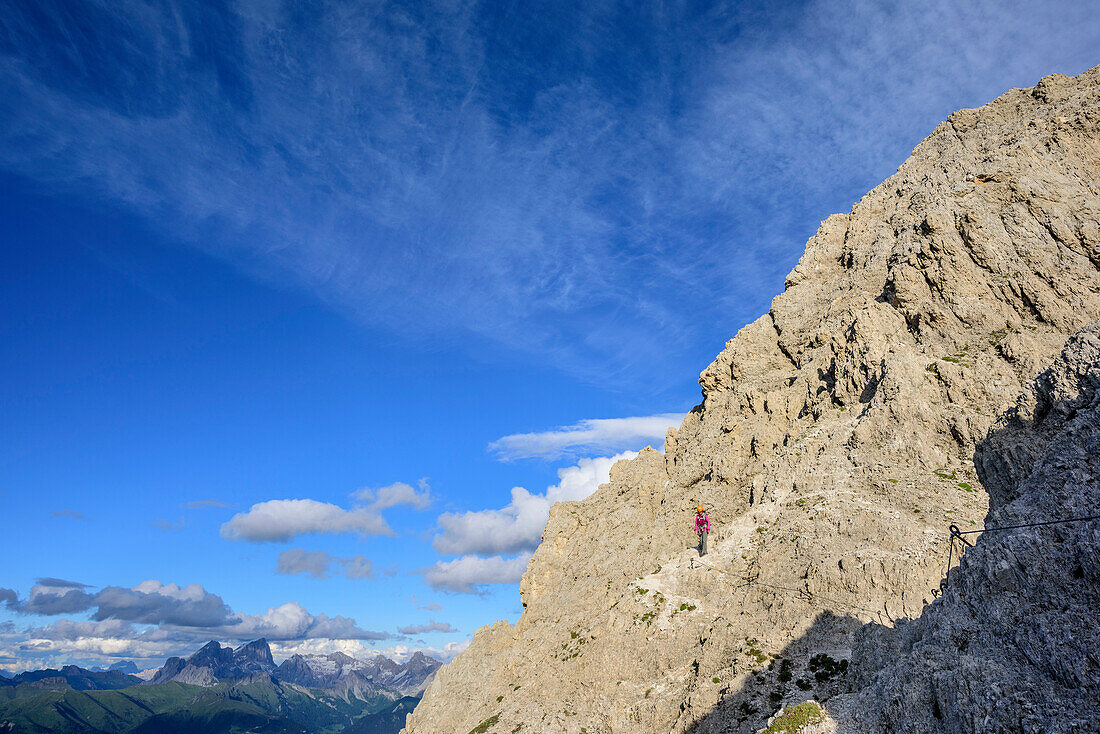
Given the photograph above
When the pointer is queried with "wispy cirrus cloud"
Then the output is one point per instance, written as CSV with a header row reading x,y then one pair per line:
x,y
50,581
68,513
203,504
639,189
587,436
168,526
429,606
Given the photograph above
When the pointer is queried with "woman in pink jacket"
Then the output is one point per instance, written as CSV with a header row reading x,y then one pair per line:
x,y
702,526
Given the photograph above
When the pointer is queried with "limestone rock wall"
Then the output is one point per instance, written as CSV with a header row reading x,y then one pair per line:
x,y
1014,644
833,445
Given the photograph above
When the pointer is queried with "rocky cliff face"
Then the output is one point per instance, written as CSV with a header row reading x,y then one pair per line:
x,y
213,662
832,447
1014,643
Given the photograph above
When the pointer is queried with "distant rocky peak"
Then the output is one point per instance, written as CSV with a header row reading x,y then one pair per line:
x,y
260,644
168,671
296,669
257,652
419,663
211,654
212,663
295,660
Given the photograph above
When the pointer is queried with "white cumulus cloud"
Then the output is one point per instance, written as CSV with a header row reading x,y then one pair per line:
x,y
510,529
466,574
587,436
518,526
396,494
291,621
281,520
431,626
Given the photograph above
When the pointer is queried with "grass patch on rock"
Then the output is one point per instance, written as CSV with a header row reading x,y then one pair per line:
x,y
791,719
486,725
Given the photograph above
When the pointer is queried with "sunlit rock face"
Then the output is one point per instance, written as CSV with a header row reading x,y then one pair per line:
x,y
834,443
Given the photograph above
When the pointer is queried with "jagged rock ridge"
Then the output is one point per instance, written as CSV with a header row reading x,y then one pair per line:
x,y
832,447
213,663
337,673
349,676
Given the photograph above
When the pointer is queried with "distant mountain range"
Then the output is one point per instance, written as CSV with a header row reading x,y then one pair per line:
x,y
336,672
123,666
221,689
69,678
358,677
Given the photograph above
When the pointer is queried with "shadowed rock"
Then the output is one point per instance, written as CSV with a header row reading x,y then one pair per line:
x,y
1014,643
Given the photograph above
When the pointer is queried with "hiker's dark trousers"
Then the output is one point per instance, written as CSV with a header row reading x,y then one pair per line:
x,y
703,542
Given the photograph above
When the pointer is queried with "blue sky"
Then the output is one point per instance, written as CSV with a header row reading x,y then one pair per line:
x,y
309,310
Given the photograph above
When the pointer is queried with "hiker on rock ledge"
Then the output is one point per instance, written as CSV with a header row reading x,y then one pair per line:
x,y
702,526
